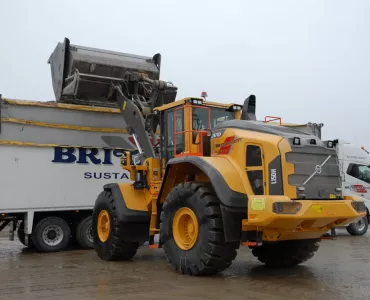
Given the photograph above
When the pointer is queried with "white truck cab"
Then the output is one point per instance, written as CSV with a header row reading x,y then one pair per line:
x,y
354,162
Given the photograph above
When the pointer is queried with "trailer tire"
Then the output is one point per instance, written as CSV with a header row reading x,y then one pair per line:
x,y
285,254
358,228
84,233
192,233
51,234
21,236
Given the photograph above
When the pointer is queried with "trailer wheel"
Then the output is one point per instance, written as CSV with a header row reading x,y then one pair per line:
x,y
286,253
22,236
51,234
358,228
192,231
108,242
84,233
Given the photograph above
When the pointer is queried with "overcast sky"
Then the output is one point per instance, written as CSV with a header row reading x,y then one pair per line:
x,y
306,61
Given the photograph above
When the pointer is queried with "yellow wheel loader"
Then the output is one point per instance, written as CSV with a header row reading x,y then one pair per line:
x,y
214,179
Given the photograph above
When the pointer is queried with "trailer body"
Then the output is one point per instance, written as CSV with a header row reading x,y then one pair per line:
x,y
54,158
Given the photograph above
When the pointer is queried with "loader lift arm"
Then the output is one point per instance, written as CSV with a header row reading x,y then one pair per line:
x,y
138,113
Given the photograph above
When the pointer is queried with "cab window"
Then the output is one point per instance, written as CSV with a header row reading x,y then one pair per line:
x,y
361,172
219,115
200,118
171,132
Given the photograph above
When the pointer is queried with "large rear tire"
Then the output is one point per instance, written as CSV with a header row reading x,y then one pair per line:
x,y
358,228
192,233
286,253
108,242
51,234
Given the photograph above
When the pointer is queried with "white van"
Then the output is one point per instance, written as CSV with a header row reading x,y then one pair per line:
x,y
354,162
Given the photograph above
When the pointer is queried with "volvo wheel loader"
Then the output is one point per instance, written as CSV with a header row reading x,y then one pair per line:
x,y
206,177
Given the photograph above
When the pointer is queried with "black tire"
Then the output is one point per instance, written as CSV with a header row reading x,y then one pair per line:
x,y
84,233
51,234
210,253
22,237
115,248
359,228
286,253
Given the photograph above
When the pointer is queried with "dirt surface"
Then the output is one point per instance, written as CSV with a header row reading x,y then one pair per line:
x,y
339,270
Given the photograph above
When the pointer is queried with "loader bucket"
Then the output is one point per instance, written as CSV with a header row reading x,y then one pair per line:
x,y
83,75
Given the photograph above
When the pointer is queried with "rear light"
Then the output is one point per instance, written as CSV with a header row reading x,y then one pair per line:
x,y
286,207
359,206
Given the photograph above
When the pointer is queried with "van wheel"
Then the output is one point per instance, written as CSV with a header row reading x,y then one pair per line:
x,y
51,234
358,228
22,236
84,233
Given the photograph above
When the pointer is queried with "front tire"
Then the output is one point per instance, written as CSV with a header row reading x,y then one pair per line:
x,y
358,228
51,234
192,231
106,231
286,253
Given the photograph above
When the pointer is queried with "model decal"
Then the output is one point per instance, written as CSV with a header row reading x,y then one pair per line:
x,y
226,146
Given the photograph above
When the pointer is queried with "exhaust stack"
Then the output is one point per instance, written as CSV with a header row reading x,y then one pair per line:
x,y
83,75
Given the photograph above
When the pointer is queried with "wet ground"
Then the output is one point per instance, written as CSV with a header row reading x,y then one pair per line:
x,y
339,270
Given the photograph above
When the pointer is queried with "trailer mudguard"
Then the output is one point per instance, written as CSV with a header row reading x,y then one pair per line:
x,y
132,212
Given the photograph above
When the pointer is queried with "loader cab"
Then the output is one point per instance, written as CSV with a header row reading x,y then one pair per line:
x,y
187,126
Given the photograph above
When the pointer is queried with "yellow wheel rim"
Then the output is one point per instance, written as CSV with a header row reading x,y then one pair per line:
x,y
185,228
103,225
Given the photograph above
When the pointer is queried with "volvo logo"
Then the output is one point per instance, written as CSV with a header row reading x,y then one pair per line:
x,y
318,169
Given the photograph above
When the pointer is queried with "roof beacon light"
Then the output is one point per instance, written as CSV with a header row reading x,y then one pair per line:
x,y
296,141
204,95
